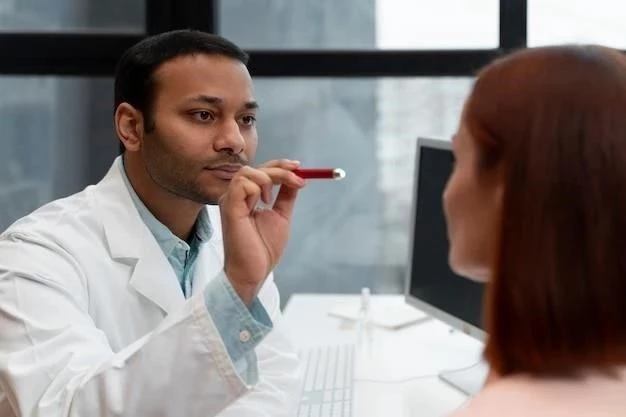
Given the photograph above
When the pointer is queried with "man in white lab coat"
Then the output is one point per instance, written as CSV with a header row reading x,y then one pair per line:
x,y
133,297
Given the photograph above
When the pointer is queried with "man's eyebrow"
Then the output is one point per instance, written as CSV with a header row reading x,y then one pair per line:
x,y
251,105
206,99
203,98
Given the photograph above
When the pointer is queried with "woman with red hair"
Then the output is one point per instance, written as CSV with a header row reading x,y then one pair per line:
x,y
536,206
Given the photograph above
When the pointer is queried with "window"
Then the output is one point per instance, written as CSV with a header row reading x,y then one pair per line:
x,y
361,24
71,15
352,233
57,137
58,131
577,21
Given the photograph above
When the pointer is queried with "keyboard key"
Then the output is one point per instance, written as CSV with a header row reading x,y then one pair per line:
x,y
337,409
338,395
320,378
328,396
311,370
303,411
346,409
326,410
315,410
349,367
332,367
341,367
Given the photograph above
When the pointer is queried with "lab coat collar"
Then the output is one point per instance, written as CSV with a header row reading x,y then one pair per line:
x,y
129,241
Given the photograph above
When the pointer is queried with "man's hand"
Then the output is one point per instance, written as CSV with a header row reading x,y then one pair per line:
x,y
254,239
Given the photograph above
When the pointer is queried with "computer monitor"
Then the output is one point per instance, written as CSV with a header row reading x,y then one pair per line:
x,y
431,286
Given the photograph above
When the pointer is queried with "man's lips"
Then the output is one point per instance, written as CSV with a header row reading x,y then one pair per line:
x,y
225,171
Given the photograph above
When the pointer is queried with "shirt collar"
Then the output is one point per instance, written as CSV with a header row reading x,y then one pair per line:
x,y
164,236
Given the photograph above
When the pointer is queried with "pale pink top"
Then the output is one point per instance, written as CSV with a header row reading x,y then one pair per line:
x,y
592,396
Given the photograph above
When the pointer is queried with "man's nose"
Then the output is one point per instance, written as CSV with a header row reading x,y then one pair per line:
x,y
230,139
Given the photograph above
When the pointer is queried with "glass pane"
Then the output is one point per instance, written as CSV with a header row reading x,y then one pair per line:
x,y
56,137
361,24
353,233
72,15
577,21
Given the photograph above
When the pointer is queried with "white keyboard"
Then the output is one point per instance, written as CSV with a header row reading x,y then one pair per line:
x,y
328,380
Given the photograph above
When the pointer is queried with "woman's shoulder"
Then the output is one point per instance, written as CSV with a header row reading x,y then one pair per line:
x,y
525,395
497,397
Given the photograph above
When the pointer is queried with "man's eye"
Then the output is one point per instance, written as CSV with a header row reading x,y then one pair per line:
x,y
248,120
203,115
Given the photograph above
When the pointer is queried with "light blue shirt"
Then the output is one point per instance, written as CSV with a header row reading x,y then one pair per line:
x,y
241,327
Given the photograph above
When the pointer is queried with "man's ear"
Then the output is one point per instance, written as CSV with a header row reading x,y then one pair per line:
x,y
129,126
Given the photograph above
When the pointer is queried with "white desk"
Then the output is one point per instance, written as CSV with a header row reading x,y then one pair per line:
x,y
419,350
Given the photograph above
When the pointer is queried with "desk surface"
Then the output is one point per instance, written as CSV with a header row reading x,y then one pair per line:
x,y
396,371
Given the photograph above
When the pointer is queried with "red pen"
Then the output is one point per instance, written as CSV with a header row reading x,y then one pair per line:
x,y
321,173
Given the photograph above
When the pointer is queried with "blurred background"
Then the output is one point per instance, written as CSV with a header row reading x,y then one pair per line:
x,y
342,83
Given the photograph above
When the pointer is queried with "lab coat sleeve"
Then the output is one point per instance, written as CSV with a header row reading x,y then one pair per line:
x,y
280,373
55,362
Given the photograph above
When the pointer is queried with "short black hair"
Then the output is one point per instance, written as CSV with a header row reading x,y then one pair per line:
x,y
134,83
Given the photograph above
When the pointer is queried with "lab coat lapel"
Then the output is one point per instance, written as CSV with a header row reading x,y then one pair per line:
x,y
154,278
131,242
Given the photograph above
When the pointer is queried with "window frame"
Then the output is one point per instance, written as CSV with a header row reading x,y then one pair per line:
x,y
95,53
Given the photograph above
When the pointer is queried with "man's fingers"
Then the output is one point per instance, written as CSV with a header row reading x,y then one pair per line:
x,y
253,192
285,201
266,177
261,178
280,176
250,185
287,164
242,188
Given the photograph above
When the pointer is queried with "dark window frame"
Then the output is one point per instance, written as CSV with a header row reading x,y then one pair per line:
x,y
95,54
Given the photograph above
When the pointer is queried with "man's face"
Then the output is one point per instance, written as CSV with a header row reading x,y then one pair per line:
x,y
204,118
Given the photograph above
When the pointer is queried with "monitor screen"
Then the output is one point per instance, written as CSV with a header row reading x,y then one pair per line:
x,y
431,285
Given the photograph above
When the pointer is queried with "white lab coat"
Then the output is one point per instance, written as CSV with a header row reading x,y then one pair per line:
x,y
93,321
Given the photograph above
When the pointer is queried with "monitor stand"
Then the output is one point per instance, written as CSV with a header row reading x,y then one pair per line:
x,y
468,380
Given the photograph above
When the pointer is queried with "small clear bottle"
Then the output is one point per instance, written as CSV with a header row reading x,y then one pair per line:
x,y
364,325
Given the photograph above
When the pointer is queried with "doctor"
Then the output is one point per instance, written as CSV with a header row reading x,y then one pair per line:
x,y
132,297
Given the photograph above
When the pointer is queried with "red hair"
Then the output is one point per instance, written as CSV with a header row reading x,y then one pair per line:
x,y
552,121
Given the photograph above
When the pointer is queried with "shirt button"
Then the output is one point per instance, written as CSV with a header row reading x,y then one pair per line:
x,y
244,336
